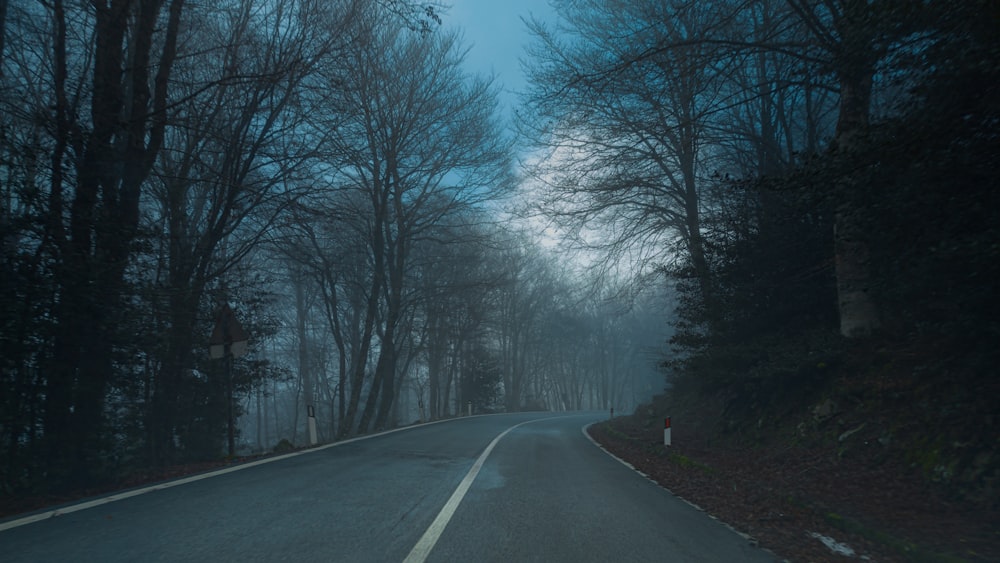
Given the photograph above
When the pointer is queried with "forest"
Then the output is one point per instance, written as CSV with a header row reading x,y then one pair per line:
x,y
752,200
815,184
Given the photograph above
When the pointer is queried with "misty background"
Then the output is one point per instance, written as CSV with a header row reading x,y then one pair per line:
x,y
418,211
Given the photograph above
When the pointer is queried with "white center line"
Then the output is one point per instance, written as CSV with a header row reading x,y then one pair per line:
x,y
423,548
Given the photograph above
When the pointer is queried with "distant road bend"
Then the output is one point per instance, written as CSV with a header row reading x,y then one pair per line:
x,y
513,487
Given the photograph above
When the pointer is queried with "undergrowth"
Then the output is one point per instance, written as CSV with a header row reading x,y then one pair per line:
x,y
876,399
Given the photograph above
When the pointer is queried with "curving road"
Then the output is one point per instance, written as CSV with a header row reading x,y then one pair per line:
x,y
518,487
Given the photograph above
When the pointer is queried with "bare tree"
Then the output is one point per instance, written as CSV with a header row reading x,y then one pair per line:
x,y
523,302
327,235
234,161
625,143
850,40
455,286
778,109
422,143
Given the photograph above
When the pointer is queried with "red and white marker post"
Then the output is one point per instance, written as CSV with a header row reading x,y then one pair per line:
x,y
666,431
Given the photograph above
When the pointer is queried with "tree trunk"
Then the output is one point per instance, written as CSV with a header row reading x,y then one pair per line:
x,y
301,314
435,361
394,306
360,357
373,393
858,311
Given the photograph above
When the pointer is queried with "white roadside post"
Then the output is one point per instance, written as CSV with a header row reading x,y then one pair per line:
x,y
311,417
470,408
666,431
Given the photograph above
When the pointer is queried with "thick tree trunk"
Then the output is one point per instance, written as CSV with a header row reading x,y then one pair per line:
x,y
373,393
388,394
858,311
394,306
328,285
359,358
358,365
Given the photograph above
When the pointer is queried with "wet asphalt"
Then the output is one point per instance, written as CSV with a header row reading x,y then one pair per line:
x,y
544,493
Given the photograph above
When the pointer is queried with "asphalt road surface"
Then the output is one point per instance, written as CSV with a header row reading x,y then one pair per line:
x,y
519,487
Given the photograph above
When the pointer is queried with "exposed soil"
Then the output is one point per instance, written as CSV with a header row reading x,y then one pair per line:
x,y
782,495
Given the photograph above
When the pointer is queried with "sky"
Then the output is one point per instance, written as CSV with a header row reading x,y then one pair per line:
x,y
496,36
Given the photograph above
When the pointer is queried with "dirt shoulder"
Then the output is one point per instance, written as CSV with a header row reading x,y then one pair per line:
x,y
791,499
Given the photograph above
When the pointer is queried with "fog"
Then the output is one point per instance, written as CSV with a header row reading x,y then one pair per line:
x,y
723,197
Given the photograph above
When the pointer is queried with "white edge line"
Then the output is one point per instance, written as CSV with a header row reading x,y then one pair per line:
x,y
25,520
745,536
427,541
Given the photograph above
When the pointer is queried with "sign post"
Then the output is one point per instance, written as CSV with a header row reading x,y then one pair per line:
x,y
228,341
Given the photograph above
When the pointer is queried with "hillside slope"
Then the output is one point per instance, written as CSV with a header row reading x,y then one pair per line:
x,y
837,468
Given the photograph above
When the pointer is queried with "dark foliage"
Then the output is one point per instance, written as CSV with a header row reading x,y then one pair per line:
x,y
923,185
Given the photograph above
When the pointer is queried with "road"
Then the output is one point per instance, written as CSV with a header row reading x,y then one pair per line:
x,y
518,487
